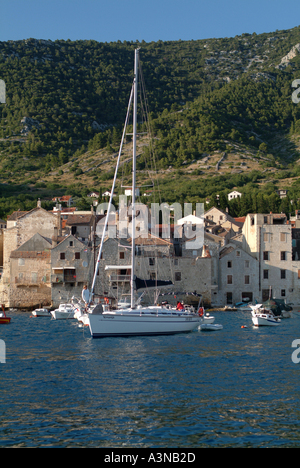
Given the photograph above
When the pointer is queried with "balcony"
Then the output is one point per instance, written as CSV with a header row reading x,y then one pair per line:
x,y
119,278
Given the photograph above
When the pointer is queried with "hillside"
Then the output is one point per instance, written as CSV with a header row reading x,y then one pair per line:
x,y
221,111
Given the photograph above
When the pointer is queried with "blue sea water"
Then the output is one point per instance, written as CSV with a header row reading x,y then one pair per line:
x,y
236,387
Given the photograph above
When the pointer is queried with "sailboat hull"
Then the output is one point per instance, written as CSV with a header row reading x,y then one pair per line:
x,y
110,324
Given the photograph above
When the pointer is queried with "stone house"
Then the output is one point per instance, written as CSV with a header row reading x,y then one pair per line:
x,y
238,273
189,272
114,272
22,226
268,238
222,218
71,269
30,271
79,225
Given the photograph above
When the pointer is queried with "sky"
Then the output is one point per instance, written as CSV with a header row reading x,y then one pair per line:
x,y
148,20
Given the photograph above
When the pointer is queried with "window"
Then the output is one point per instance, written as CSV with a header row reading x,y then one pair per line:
x,y
77,255
266,274
121,255
151,261
247,279
21,262
229,264
266,255
176,261
283,237
177,276
34,277
282,255
247,263
71,243
268,237
153,276
229,279
62,256
283,293
238,253
282,274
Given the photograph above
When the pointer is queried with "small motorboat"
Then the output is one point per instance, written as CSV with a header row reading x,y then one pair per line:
x,y
41,313
210,327
3,317
207,318
64,312
263,317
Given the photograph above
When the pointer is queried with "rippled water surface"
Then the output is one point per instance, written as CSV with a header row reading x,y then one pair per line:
x,y
230,388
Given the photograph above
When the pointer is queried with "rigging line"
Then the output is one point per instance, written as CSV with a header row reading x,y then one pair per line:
x,y
148,125
112,193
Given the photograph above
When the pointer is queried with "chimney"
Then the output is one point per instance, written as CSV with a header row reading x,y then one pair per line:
x,y
59,228
39,203
55,237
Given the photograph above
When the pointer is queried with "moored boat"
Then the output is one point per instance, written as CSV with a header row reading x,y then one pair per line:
x,y
136,320
41,313
210,326
64,312
3,317
264,317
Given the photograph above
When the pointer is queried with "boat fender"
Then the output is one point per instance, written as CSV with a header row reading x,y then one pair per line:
x,y
244,326
201,312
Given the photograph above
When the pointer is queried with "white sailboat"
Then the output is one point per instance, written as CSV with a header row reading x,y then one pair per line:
x,y
136,320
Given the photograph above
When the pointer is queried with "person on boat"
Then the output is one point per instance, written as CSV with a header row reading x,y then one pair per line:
x,y
85,295
179,306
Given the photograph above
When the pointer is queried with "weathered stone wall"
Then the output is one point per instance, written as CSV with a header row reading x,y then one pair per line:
x,y
30,279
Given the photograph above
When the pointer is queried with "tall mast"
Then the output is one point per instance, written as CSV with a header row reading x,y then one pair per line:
x,y
111,196
135,91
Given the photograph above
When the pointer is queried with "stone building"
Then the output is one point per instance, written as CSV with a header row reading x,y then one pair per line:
x,y
71,269
268,238
30,271
238,273
22,226
114,272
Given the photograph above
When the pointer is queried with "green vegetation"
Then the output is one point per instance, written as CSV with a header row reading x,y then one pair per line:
x,y
207,99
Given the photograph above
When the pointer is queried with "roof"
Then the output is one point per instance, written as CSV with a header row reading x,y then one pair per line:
x,y
19,214
64,198
64,239
226,251
151,240
240,220
74,219
16,215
